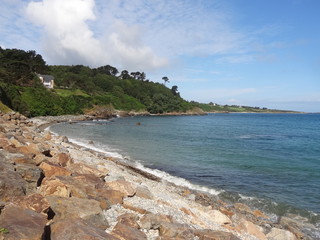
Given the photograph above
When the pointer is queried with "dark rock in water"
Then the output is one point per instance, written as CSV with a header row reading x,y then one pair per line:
x,y
77,228
22,223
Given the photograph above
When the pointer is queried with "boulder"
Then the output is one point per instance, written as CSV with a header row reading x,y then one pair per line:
x,y
127,188
251,228
83,169
207,234
51,170
219,217
154,221
127,232
31,174
11,183
35,202
143,192
280,234
174,230
62,159
54,187
88,209
22,223
77,228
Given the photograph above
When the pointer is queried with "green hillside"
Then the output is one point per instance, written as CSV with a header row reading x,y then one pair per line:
x,y
79,88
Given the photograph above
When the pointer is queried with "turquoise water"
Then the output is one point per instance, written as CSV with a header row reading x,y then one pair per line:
x,y
270,161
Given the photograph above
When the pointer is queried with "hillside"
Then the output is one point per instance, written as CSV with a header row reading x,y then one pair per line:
x,y
80,88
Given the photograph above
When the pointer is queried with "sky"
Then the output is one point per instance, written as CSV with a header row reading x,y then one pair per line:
x,y
263,53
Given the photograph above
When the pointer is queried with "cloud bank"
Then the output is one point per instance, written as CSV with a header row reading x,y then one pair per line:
x,y
69,37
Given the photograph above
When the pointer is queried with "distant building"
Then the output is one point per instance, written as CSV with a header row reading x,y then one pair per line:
x,y
47,80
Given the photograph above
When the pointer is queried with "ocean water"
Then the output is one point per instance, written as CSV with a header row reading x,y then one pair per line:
x,y
268,161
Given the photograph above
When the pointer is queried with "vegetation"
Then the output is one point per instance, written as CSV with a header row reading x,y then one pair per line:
x,y
79,88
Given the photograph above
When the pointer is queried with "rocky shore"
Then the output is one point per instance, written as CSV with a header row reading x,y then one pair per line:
x,y
53,189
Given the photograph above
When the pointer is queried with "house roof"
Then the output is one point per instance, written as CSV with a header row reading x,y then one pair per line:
x,y
46,78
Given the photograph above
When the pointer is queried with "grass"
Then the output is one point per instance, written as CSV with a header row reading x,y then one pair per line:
x,y
67,92
4,108
4,230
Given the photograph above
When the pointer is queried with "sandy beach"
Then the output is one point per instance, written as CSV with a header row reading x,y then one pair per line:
x,y
65,191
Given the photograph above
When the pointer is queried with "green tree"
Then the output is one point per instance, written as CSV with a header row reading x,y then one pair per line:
x,y
165,79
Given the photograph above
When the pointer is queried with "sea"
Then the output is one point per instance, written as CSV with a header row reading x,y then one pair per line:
x,y
267,161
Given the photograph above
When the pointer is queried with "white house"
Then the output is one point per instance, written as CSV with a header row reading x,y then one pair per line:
x,y
47,80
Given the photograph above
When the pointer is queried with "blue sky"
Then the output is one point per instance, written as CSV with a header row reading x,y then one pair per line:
x,y
243,52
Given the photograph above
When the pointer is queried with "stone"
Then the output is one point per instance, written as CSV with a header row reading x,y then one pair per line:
x,y
251,228
219,217
4,143
51,170
77,228
127,188
35,202
143,192
280,234
62,159
11,183
88,209
207,234
127,232
54,187
154,221
172,230
134,208
22,223
83,169
31,174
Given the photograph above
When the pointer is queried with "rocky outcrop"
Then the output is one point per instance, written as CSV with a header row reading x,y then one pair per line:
x,y
52,189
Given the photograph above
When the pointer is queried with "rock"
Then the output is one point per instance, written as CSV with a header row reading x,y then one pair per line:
x,y
11,183
88,209
83,169
143,192
54,187
280,234
154,221
252,229
22,223
4,143
127,232
62,159
134,208
32,174
207,234
35,202
51,170
129,219
77,228
127,188
219,217
173,230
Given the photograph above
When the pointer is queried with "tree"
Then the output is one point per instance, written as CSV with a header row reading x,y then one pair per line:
x,y
125,75
174,90
165,79
109,70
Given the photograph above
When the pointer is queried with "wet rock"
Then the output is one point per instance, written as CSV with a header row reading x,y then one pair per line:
x,y
22,223
207,234
51,170
73,207
77,228
127,188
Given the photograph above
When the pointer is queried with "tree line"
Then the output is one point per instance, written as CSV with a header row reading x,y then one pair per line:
x,y
80,87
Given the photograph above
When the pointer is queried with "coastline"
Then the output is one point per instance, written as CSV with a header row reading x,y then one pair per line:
x,y
139,204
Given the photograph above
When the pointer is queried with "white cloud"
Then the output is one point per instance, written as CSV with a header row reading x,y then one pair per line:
x,y
69,37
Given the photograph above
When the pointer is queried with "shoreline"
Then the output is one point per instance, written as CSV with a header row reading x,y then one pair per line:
x,y
150,207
